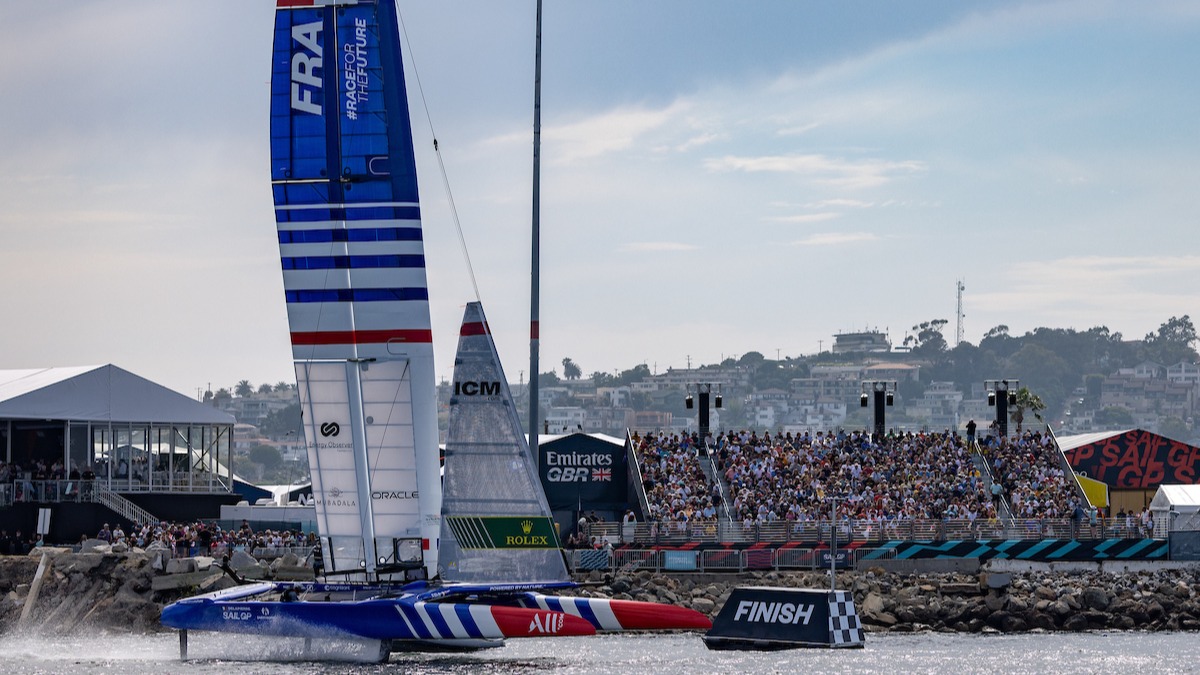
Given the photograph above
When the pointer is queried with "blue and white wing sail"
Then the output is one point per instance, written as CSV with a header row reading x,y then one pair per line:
x,y
348,216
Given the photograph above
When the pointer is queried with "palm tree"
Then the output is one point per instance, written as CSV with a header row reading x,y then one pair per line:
x,y
1027,400
244,388
570,370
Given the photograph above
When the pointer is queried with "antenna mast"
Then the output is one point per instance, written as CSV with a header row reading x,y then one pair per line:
x,y
959,314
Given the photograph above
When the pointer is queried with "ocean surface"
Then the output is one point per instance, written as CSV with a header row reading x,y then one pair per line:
x,y
1115,652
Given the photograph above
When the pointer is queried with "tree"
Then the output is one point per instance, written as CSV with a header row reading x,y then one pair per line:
x,y
283,386
1114,417
570,370
266,456
548,379
603,379
1027,400
279,423
1172,343
265,388
243,388
1174,428
928,340
637,373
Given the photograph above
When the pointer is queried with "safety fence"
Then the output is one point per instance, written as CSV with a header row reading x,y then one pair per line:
x,y
720,560
862,531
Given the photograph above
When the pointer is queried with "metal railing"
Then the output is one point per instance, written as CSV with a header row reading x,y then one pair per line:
x,y
122,506
862,531
715,560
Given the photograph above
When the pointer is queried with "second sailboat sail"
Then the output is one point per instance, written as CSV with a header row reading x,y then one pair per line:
x,y
497,524
349,227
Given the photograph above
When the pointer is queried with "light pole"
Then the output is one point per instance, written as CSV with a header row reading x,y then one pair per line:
x,y
884,392
833,501
703,392
1002,394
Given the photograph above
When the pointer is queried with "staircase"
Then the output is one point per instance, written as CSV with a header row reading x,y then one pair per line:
x,y
121,506
1003,512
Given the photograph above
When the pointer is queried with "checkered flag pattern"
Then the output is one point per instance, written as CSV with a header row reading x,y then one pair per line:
x,y
845,630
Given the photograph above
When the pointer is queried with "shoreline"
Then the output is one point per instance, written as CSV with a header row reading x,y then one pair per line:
x,y
125,590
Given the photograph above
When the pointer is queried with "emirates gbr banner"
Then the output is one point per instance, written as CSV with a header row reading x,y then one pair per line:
x,y
581,470
1137,459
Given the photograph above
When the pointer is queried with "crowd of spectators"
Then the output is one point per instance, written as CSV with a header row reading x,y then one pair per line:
x,y
201,538
676,487
1028,469
878,478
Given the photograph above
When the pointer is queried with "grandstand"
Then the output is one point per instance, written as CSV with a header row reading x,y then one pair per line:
x,y
745,486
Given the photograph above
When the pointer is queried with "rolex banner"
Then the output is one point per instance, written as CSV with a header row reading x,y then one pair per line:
x,y
480,532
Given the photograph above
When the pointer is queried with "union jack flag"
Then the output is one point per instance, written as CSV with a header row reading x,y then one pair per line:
x,y
601,474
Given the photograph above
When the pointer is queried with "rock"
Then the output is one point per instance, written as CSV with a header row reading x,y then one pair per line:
x,y
120,547
996,580
703,605
950,588
240,561
873,611
93,544
181,566
1095,598
620,585
995,602
1075,622
181,581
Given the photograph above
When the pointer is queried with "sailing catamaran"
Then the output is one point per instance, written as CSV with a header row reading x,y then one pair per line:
x,y
348,218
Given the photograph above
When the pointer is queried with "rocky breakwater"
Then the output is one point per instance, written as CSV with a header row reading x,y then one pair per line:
x,y
58,591
890,602
117,588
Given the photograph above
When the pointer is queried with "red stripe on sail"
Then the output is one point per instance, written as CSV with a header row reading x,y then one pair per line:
x,y
474,328
361,337
295,3
533,330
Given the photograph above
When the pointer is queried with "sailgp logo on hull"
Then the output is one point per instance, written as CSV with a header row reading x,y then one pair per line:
x,y
330,429
306,62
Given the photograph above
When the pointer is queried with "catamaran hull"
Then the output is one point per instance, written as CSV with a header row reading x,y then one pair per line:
x,y
384,619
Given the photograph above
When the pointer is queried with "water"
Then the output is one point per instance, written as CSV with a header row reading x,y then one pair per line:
x,y
1140,653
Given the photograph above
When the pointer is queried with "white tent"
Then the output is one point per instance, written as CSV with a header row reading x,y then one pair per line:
x,y
98,394
1176,507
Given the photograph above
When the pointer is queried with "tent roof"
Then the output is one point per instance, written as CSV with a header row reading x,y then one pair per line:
x,y
543,439
98,394
1080,440
1177,495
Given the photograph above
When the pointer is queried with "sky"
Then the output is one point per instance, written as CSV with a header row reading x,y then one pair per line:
x,y
718,177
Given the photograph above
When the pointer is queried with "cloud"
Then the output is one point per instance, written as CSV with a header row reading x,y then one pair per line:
x,y
848,203
657,246
1084,290
835,238
807,217
825,170
608,132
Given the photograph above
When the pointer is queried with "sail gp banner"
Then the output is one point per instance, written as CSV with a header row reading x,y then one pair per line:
x,y
581,470
1137,459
